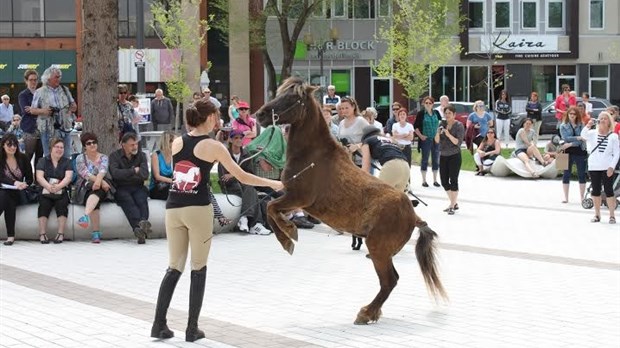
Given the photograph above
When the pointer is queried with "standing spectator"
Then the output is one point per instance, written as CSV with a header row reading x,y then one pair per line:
x,y
32,141
370,115
534,111
331,98
478,123
450,136
604,150
575,147
54,106
614,112
443,102
189,214
563,102
129,169
503,111
54,175
351,127
162,113
245,123
402,132
6,112
585,116
233,109
126,115
15,170
93,183
206,93
393,118
585,99
426,124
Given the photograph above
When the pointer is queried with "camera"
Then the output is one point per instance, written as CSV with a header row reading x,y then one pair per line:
x,y
595,121
344,141
56,117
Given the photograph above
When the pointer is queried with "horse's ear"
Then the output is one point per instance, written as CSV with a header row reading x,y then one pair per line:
x,y
311,89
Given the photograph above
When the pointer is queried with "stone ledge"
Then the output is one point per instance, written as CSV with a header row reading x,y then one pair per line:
x,y
114,224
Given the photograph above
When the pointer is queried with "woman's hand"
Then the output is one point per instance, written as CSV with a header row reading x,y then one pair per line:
x,y
610,172
422,137
226,177
105,186
20,185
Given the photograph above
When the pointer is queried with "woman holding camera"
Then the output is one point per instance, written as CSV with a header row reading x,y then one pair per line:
x,y
575,147
604,150
450,136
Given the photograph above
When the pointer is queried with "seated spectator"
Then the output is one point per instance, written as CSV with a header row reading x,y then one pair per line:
x,y
552,149
129,169
525,147
16,172
161,168
15,128
253,211
487,152
94,183
54,174
245,123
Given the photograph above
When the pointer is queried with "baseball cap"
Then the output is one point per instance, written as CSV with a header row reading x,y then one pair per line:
x,y
236,132
243,105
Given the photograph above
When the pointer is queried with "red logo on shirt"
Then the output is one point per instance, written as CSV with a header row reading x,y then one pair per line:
x,y
185,177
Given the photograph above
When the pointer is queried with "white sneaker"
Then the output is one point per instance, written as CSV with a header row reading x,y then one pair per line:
x,y
243,224
260,229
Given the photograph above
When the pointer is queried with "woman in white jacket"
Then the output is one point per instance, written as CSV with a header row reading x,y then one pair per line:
x,y
604,150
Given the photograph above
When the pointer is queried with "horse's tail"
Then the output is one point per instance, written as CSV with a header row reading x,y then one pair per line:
x,y
425,253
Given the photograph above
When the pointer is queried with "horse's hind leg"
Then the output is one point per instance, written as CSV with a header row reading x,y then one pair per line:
x,y
388,277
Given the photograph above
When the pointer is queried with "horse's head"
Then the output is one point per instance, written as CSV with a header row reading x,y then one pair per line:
x,y
292,99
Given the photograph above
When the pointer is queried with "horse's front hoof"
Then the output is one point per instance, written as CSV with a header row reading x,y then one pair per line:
x,y
289,247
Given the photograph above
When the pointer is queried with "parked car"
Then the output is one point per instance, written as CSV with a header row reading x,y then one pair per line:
x,y
549,122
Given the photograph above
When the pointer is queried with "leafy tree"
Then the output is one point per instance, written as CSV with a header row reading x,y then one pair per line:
x,y
420,39
293,12
179,27
495,79
100,71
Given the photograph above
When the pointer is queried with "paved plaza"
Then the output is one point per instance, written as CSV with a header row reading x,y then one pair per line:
x,y
521,270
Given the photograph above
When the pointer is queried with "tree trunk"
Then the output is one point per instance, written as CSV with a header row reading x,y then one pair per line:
x,y
100,71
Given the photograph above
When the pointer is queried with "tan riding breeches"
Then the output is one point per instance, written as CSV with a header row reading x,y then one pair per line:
x,y
189,227
396,174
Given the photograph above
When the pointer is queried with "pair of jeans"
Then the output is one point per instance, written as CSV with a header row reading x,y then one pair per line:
x,y
580,162
46,137
134,202
429,149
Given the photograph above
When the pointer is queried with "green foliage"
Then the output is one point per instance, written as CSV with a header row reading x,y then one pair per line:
x,y
177,24
420,39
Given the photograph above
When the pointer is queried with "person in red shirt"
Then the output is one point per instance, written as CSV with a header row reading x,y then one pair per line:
x,y
614,111
563,102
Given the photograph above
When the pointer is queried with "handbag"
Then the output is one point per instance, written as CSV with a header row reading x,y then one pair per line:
x,y
29,195
561,161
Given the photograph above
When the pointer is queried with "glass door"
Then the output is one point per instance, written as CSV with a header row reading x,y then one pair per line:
x,y
381,95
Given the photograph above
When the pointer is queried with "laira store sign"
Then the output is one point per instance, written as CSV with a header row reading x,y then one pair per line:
x,y
508,43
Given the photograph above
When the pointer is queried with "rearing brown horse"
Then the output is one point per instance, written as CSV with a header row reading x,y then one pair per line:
x,y
320,178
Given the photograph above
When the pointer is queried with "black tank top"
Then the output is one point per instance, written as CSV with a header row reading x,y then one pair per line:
x,y
190,176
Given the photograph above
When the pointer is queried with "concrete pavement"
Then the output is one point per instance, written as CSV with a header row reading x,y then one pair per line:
x,y
521,269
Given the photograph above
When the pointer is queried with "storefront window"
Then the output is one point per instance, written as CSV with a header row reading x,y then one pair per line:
x,y
599,81
127,18
461,84
478,83
362,8
37,18
544,82
338,8
529,15
502,14
342,80
384,8
555,14
476,14
597,11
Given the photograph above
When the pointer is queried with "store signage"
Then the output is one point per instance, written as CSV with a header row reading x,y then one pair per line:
x,y
344,49
62,66
508,43
27,66
3,66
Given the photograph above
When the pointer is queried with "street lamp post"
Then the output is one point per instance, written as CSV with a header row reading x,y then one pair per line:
x,y
320,48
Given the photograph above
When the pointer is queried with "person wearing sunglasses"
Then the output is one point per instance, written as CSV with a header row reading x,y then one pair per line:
x,y
245,123
127,116
32,140
393,118
16,175
93,183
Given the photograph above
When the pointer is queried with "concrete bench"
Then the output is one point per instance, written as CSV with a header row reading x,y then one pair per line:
x,y
114,224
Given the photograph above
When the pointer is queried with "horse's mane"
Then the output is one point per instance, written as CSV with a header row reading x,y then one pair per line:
x,y
296,84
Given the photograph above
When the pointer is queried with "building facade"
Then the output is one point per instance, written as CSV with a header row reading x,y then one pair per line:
x,y
35,34
517,45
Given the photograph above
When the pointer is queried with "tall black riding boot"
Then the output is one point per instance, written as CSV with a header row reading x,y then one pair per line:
x,y
160,328
196,294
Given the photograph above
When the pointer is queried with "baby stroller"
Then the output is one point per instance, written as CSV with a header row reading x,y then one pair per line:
x,y
588,203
